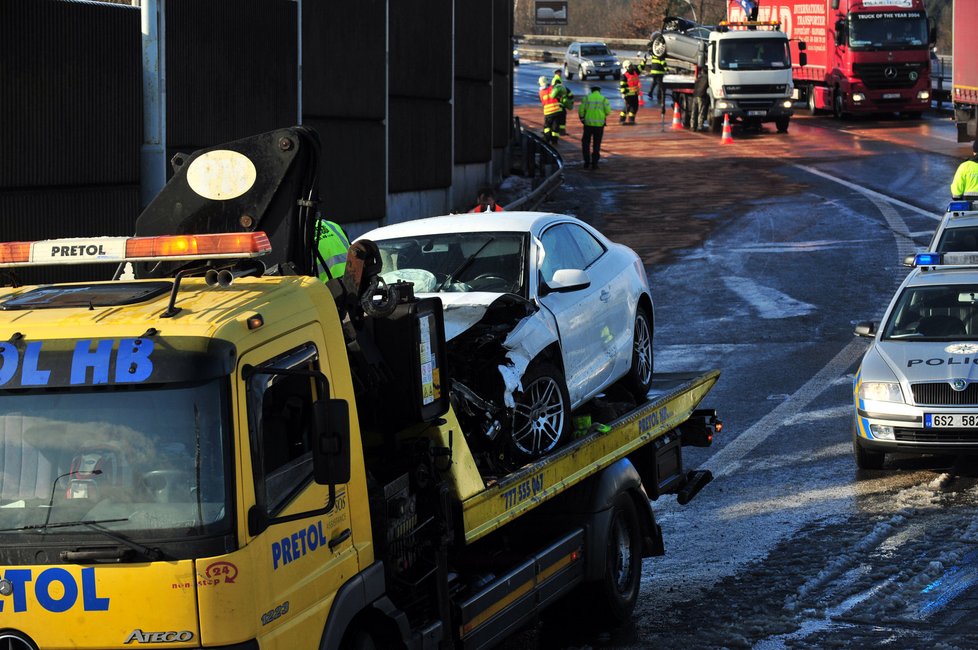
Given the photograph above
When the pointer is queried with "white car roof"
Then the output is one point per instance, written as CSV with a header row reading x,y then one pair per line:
x,y
470,222
930,277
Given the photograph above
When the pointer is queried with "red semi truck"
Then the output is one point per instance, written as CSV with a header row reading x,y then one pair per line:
x,y
965,71
864,56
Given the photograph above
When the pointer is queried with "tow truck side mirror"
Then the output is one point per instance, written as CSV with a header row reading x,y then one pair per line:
x,y
865,328
802,59
331,451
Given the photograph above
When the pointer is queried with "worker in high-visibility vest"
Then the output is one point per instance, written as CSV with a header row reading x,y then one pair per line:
x,y
657,69
565,98
332,245
594,112
551,110
631,92
965,183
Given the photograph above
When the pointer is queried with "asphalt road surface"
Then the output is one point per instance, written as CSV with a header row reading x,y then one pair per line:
x,y
762,254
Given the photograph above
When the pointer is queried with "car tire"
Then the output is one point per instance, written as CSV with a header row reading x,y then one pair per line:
x,y
865,458
618,587
639,377
567,73
542,416
658,45
581,73
782,124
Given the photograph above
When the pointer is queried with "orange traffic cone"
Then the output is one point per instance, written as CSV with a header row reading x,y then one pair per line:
x,y
677,121
726,137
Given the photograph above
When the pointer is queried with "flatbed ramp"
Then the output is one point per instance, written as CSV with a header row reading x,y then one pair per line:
x,y
672,400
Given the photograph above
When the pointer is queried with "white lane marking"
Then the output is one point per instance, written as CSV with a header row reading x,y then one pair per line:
x,y
725,460
868,192
769,302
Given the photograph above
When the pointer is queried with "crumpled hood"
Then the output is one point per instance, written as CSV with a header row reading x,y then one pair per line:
x,y
919,361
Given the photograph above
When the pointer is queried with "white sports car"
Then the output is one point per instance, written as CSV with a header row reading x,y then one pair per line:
x,y
542,313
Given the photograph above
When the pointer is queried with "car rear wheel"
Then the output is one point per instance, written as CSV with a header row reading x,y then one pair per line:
x,y
865,458
639,377
658,45
541,417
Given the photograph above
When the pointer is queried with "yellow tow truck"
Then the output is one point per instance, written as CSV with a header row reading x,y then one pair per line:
x,y
197,456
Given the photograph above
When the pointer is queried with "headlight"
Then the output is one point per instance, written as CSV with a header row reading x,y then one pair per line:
x,y
880,391
858,97
923,94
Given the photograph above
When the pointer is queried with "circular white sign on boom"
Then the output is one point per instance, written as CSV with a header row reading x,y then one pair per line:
x,y
221,175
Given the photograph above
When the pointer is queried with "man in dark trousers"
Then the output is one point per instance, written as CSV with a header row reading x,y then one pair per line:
x,y
593,111
701,100
631,92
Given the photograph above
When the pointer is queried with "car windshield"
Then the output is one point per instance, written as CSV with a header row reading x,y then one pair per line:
x,y
939,313
141,460
960,239
594,50
453,262
754,54
905,30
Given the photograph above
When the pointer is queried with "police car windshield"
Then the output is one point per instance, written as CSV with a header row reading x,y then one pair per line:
x,y
137,459
457,262
960,239
935,313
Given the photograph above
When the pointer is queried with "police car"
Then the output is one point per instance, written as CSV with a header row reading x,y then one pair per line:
x,y
958,230
916,390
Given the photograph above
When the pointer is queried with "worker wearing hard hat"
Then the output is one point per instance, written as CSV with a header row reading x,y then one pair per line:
x,y
551,109
631,92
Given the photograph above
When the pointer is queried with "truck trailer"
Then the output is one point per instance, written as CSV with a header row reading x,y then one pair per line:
x,y
964,74
864,56
219,450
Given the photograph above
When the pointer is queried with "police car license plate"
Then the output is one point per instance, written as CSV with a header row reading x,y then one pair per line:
x,y
949,420
757,112
891,95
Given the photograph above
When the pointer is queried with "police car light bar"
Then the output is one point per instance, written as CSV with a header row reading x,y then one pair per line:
x,y
960,206
946,259
88,250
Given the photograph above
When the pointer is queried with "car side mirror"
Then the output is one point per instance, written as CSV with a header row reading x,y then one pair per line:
x,y
565,280
865,328
331,451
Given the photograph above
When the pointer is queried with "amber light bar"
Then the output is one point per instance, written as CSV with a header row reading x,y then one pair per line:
x,y
88,250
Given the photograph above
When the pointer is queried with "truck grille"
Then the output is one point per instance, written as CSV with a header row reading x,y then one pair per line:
x,y
936,435
889,75
941,394
754,89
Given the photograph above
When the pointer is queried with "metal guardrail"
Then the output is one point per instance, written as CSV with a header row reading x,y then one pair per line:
x,y
540,162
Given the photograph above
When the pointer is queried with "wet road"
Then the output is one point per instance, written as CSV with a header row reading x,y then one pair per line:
x,y
762,255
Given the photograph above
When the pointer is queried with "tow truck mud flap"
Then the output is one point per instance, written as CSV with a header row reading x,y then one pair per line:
x,y
515,598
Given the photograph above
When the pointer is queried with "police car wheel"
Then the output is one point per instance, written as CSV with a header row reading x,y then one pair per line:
x,y
865,458
619,586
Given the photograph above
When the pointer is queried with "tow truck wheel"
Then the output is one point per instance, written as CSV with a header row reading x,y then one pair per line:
x,y
619,586
782,124
639,377
716,124
865,458
541,417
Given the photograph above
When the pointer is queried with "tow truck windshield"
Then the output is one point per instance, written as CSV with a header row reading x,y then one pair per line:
x,y
906,30
754,54
146,461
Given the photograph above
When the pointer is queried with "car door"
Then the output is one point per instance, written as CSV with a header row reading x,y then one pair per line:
x,y
582,317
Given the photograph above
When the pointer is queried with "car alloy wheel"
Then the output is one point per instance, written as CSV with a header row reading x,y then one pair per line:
x,y
542,412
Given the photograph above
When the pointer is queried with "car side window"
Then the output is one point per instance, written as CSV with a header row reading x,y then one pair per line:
x,y
589,247
280,421
560,251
